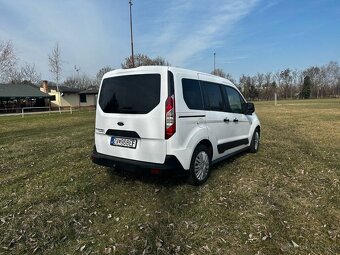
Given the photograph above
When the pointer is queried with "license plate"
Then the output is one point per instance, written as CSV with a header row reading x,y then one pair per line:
x,y
123,142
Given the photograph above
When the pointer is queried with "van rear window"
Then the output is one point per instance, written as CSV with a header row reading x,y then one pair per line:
x,y
131,94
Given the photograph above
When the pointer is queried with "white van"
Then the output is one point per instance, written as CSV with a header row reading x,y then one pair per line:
x,y
161,117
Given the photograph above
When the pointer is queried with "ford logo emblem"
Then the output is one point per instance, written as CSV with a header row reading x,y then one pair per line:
x,y
120,124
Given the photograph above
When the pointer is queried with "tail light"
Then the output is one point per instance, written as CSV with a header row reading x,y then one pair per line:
x,y
170,117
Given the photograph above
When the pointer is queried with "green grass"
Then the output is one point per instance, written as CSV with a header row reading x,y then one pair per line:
x,y
283,200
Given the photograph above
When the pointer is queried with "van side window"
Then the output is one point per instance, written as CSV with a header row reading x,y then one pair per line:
x,y
234,99
192,94
212,96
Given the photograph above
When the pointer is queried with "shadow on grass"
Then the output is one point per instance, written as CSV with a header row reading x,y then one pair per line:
x,y
230,160
164,178
228,165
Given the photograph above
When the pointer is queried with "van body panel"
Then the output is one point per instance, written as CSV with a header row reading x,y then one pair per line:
x,y
184,145
221,127
242,126
228,131
191,124
151,146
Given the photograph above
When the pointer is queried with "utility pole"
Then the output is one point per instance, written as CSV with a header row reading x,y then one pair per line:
x,y
214,62
77,70
132,56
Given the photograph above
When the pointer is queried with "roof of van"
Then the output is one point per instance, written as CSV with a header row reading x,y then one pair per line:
x,y
170,68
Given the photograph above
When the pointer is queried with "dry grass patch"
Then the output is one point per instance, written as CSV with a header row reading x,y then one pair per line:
x,y
283,200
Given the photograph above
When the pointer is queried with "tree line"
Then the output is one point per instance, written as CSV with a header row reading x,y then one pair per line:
x,y
312,82
12,72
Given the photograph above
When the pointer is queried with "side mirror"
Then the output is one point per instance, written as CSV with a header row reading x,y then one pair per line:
x,y
249,108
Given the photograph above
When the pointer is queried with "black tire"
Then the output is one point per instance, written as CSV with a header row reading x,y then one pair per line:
x,y
255,142
201,159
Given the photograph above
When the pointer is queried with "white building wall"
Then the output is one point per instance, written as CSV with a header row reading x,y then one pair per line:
x,y
69,99
72,99
64,100
91,100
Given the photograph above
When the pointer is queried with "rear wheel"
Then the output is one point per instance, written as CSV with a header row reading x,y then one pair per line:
x,y
200,166
255,142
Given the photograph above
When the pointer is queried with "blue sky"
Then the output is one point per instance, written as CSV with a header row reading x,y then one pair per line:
x,y
248,36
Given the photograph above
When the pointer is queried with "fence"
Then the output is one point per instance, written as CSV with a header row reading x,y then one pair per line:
x,y
43,110
32,110
10,110
40,112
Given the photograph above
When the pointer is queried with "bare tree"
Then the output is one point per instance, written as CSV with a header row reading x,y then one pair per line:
x,y
219,72
8,59
260,80
268,78
159,61
30,74
230,78
285,75
333,77
80,81
27,74
101,73
267,92
278,81
144,60
295,81
14,76
55,64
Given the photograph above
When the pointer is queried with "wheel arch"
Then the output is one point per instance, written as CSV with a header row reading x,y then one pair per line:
x,y
207,144
199,178
259,129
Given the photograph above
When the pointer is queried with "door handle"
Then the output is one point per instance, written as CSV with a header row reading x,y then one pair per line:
x,y
235,120
226,120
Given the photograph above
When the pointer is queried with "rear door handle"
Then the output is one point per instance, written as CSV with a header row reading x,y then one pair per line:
x,y
235,120
226,120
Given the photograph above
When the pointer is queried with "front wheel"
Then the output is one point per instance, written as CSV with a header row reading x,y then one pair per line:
x,y
255,142
200,166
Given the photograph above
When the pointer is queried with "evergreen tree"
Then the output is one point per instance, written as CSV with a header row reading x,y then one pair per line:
x,y
306,87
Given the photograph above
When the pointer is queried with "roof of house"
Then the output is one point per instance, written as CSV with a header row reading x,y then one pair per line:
x,y
65,89
89,91
20,91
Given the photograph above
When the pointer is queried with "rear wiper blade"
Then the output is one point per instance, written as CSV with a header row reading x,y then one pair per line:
x,y
128,111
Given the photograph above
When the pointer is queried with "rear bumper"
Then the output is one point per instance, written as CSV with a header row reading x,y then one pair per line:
x,y
170,163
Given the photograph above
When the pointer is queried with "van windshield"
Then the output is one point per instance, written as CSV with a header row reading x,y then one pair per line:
x,y
131,94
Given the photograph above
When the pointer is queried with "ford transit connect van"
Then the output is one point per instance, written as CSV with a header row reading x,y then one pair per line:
x,y
160,117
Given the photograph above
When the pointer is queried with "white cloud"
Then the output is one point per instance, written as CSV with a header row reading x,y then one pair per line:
x,y
93,34
78,26
189,31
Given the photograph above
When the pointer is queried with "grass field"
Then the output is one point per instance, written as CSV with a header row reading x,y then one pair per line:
x,y
283,200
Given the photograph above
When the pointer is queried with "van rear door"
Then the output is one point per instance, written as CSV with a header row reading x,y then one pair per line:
x,y
130,116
